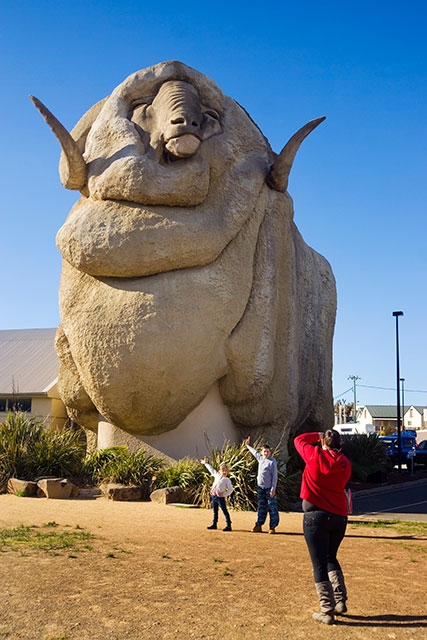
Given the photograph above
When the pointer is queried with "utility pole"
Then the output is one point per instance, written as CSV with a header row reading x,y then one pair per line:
x,y
354,378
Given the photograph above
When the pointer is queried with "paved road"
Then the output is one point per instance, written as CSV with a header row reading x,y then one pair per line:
x,y
407,501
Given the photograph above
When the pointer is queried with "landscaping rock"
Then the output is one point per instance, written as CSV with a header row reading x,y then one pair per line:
x,y
169,495
121,492
56,488
24,488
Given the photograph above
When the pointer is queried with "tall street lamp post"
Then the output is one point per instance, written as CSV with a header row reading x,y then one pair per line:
x,y
402,381
396,314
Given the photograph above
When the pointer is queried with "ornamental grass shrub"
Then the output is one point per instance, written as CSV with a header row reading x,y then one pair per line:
x,y
119,465
29,450
186,473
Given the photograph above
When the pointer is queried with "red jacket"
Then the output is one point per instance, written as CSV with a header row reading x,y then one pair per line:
x,y
325,475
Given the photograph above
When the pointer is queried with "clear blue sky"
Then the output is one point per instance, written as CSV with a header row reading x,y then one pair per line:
x,y
359,182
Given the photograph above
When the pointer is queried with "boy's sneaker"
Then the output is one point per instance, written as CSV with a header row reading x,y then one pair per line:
x,y
227,528
257,529
212,526
272,531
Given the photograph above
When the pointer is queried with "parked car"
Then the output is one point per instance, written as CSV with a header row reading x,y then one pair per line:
x,y
421,453
408,443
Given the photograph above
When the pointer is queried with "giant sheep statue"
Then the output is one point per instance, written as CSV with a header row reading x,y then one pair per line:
x,y
183,268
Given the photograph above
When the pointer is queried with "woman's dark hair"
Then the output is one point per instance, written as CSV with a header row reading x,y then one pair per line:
x,y
332,439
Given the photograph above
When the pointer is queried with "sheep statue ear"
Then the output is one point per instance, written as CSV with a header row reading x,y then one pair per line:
x,y
278,176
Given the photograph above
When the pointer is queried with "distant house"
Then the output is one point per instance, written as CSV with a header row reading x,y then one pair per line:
x,y
384,417
415,417
29,370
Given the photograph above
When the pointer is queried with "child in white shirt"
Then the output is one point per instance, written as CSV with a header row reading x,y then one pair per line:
x,y
221,489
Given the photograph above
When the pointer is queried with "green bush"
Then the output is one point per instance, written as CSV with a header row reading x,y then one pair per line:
x,y
29,449
367,456
118,464
187,473
96,464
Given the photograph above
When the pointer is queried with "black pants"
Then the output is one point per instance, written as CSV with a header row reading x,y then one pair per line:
x,y
323,533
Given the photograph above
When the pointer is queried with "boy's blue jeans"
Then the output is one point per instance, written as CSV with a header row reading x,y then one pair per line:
x,y
218,503
267,505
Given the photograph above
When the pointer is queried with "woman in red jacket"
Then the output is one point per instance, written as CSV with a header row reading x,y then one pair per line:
x,y
324,503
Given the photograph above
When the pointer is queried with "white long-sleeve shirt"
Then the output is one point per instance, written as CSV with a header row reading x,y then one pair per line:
x,y
222,486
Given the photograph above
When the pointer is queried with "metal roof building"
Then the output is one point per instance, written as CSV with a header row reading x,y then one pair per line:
x,y
28,362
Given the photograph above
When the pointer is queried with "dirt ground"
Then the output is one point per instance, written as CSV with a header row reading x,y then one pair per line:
x,y
155,572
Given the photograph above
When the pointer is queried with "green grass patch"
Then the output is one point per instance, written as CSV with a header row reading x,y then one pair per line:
x,y
418,549
401,526
31,538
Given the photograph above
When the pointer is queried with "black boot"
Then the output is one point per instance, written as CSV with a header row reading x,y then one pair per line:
x,y
212,526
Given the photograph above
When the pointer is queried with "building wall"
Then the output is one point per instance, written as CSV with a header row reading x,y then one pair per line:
x,y
365,417
413,419
43,408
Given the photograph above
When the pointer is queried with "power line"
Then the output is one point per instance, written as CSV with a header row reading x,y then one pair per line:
x,y
392,389
367,386
343,393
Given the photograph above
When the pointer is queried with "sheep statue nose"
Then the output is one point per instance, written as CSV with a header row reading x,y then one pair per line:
x,y
183,146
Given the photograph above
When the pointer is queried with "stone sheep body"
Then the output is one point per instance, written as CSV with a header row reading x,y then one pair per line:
x,y
183,268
